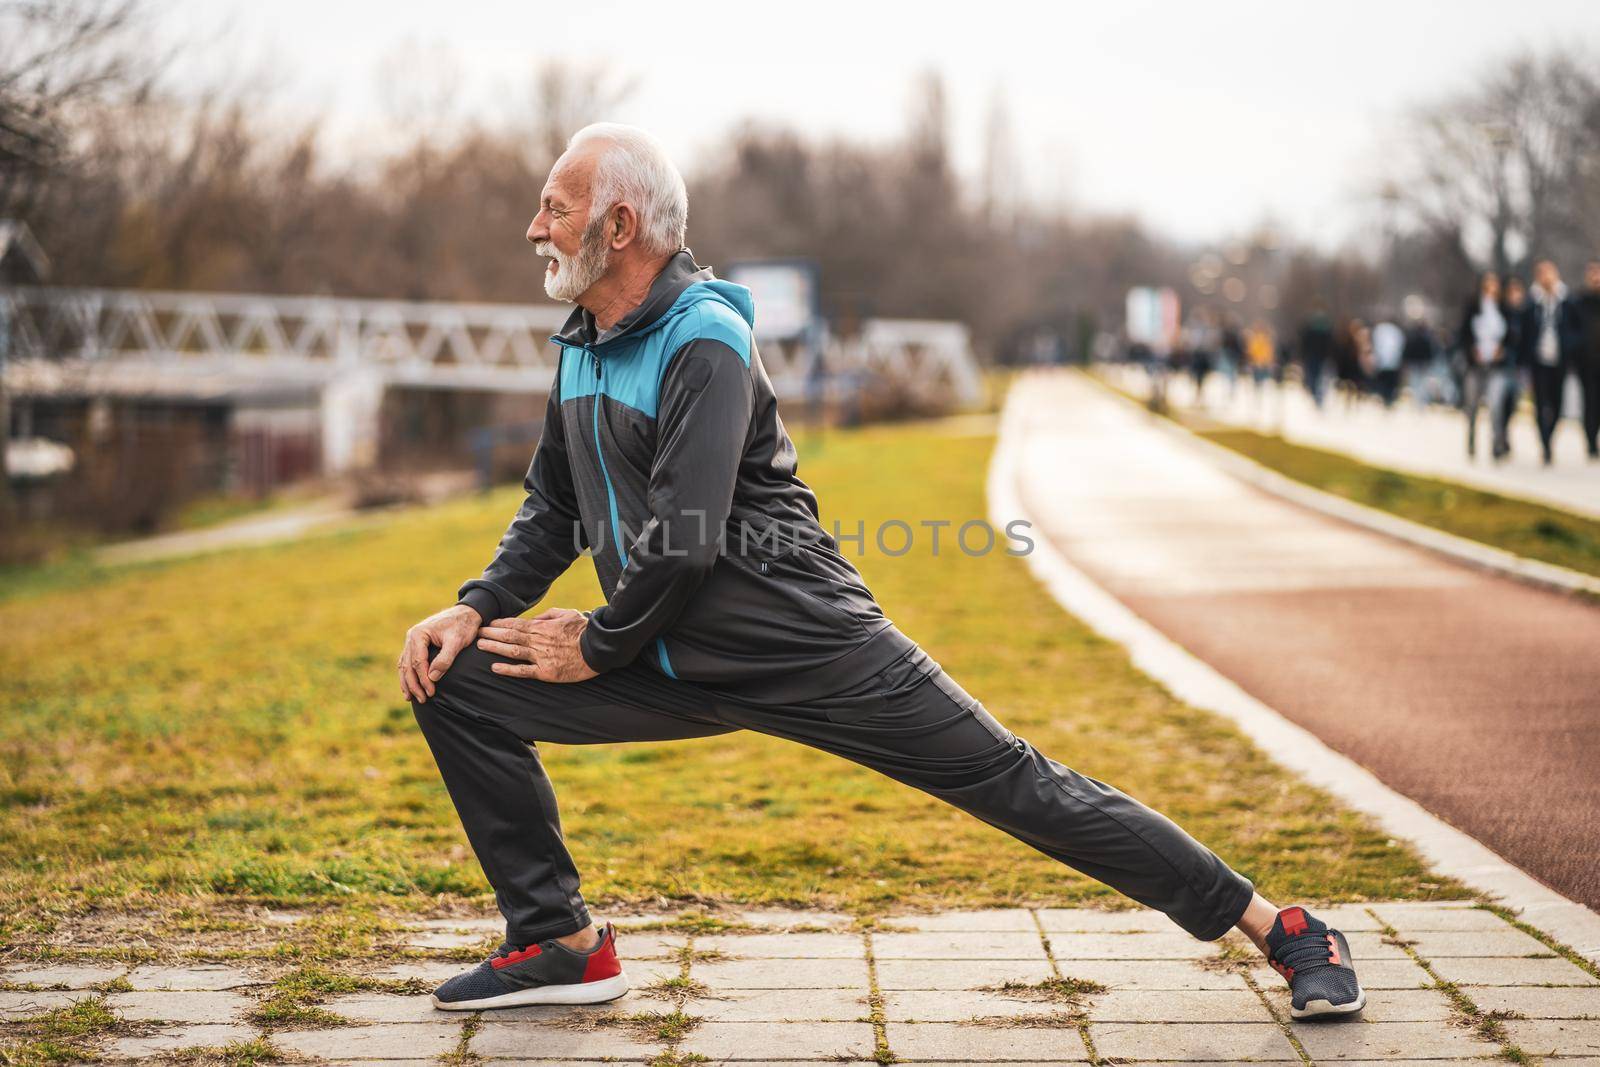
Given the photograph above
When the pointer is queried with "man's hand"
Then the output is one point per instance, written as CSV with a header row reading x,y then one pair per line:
x,y
545,646
450,629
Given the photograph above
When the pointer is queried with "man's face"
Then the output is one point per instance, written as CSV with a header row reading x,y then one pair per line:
x,y
1591,275
564,232
1547,276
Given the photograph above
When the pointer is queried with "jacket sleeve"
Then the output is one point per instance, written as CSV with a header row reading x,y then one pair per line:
x,y
703,421
544,537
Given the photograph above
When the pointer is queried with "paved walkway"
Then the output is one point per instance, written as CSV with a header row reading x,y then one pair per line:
x,y
1032,986
1431,442
1472,694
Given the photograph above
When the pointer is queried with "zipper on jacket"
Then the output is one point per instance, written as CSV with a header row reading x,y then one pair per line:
x,y
605,475
611,498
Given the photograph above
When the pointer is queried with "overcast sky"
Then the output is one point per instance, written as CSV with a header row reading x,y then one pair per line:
x,y
1201,118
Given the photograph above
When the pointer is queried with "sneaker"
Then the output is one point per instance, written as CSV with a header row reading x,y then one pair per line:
x,y
1315,961
546,973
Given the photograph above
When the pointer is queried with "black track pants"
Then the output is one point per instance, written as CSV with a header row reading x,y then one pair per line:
x,y
910,721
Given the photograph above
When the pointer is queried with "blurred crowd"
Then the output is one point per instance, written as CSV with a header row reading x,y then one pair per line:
x,y
1511,338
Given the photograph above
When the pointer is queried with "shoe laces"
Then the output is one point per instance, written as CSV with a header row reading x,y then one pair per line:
x,y
1305,951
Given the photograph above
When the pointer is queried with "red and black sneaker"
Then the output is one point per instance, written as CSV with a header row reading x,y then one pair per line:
x,y
1316,963
546,973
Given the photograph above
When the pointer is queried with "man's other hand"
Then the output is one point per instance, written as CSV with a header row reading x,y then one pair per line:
x,y
450,629
543,647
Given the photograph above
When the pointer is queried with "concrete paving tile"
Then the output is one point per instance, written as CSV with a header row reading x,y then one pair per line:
x,y
67,975
1503,942
1230,1042
1555,1037
947,945
1485,1061
1098,921
781,1005
188,1006
1177,1006
1374,946
386,1008
482,925
196,976
642,973
206,1035
958,1005
1018,920
649,946
395,1041
575,1016
959,974
1420,918
396,1063
1467,970
429,972
1165,946
790,1041
1357,1040
969,1044
1348,918
1536,1002
783,917
780,974
519,1039
434,939
17,1004
1153,974
1386,1005
785,946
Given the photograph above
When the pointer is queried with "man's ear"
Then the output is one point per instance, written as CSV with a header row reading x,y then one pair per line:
x,y
622,227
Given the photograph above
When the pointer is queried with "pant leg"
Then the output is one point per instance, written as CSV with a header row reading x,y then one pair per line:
x,y
1589,380
1502,401
1547,385
1473,385
926,731
482,727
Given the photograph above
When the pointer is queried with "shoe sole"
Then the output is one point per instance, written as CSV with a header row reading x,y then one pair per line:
x,y
580,993
1316,1009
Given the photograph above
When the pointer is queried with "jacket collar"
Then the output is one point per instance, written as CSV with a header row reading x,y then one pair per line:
x,y
680,272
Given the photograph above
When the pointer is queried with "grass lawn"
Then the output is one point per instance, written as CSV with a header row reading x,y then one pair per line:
x,y
1528,529
183,740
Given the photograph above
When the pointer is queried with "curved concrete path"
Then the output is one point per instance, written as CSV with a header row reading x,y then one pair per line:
x,y
1474,695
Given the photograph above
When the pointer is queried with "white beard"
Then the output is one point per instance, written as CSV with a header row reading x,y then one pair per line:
x,y
575,274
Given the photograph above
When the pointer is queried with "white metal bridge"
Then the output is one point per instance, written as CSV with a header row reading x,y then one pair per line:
x,y
141,342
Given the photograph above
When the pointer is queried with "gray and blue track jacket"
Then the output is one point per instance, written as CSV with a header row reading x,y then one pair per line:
x,y
663,453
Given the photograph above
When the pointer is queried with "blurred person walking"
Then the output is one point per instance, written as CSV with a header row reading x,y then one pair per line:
x,y
1551,335
1351,354
727,607
1316,345
1586,355
1417,358
1231,347
1505,375
1388,355
1202,342
1260,353
1479,340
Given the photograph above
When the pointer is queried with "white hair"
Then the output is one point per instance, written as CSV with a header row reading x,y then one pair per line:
x,y
635,168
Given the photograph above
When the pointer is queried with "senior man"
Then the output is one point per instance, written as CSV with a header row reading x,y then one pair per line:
x,y
727,607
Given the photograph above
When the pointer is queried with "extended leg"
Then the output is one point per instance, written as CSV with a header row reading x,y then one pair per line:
x,y
928,732
481,727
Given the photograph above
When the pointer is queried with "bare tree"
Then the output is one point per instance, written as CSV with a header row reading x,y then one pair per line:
x,y
56,56
1500,170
